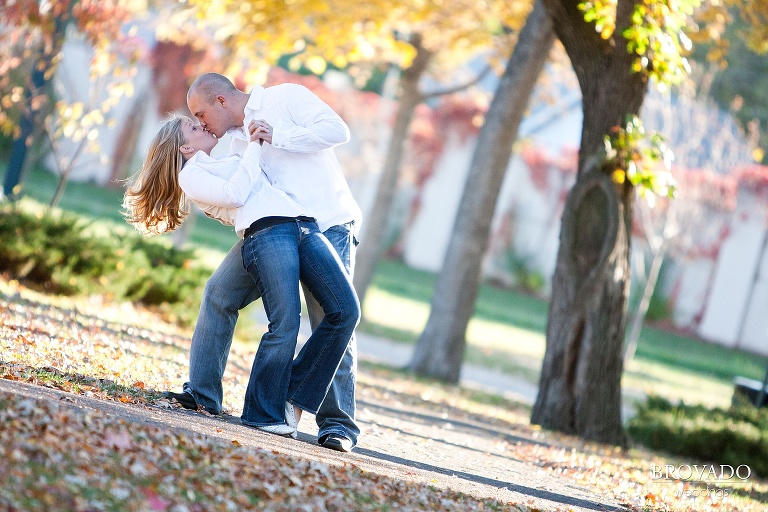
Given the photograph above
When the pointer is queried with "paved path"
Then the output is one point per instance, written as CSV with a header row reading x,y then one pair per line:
x,y
381,350
411,442
385,351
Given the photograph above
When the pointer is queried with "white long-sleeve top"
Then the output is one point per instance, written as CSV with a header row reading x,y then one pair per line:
x,y
234,190
301,161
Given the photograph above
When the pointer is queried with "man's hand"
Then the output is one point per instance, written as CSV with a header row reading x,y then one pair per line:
x,y
261,131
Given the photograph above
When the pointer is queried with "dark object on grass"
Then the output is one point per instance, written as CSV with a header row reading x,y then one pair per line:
x,y
750,390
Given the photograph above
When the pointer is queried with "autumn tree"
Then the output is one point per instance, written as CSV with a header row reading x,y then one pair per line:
x,y
33,33
257,34
616,48
440,349
442,35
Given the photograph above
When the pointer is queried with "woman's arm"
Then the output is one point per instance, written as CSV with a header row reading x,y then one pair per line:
x,y
201,186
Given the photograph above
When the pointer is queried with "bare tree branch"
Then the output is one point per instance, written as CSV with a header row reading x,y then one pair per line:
x,y
458,88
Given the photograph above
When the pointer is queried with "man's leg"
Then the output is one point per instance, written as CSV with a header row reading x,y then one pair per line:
x,y
325,276
336,415
228,290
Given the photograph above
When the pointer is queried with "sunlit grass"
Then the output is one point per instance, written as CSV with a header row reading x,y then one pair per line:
x,y
670,365
677,384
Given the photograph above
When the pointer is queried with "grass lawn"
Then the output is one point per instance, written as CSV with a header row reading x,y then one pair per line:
x,y
506,332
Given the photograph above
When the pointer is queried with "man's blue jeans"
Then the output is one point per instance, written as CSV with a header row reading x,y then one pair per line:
x,y
230,289
276,257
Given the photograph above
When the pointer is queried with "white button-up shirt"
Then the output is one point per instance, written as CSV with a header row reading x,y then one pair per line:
x,y
234,190
300,161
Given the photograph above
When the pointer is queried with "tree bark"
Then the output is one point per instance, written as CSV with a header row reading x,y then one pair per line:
x,y
580,383
375,225
440,349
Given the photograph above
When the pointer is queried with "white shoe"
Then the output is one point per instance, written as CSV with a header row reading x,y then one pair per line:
x,y
281,430
290,419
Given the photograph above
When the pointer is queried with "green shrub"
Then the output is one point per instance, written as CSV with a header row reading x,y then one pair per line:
x,y
160,255
56,253
52,252
723,436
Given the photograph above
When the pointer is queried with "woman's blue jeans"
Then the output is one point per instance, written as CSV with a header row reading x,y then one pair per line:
x,y
276,258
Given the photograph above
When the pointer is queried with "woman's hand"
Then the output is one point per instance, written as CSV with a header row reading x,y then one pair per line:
x,y
261,131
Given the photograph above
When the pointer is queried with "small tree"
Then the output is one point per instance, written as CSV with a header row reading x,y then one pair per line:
x,y
708,148
33,36
72,130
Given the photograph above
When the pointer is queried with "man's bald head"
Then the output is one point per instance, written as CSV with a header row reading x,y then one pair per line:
x,y
210,85
217,103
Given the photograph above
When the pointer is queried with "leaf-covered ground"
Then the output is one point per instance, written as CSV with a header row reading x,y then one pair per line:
x,y
457,449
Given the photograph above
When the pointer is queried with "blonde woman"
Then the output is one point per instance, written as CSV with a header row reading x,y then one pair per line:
x,y
281,245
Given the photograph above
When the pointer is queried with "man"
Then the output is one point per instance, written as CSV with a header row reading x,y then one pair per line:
x,y
298,132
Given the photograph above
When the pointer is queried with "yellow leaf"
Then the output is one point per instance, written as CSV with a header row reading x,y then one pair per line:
x,y
316,64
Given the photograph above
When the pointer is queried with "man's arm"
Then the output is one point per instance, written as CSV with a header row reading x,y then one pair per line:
x,y
312,125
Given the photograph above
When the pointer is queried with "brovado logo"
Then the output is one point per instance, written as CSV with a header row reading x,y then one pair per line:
x,y
700,473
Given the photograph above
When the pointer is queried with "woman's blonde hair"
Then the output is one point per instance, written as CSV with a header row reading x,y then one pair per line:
x,y
155,203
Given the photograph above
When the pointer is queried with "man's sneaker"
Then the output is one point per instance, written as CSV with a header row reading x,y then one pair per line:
x,y
338,443
281,430
186,400
290,419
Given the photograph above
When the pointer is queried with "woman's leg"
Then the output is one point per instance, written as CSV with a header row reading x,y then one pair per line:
x,y
326,278
271,257
228,290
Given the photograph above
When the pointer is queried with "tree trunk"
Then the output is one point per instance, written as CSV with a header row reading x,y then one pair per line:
x,y
580,383
11,183
440,349
65,171
375,225
59,192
